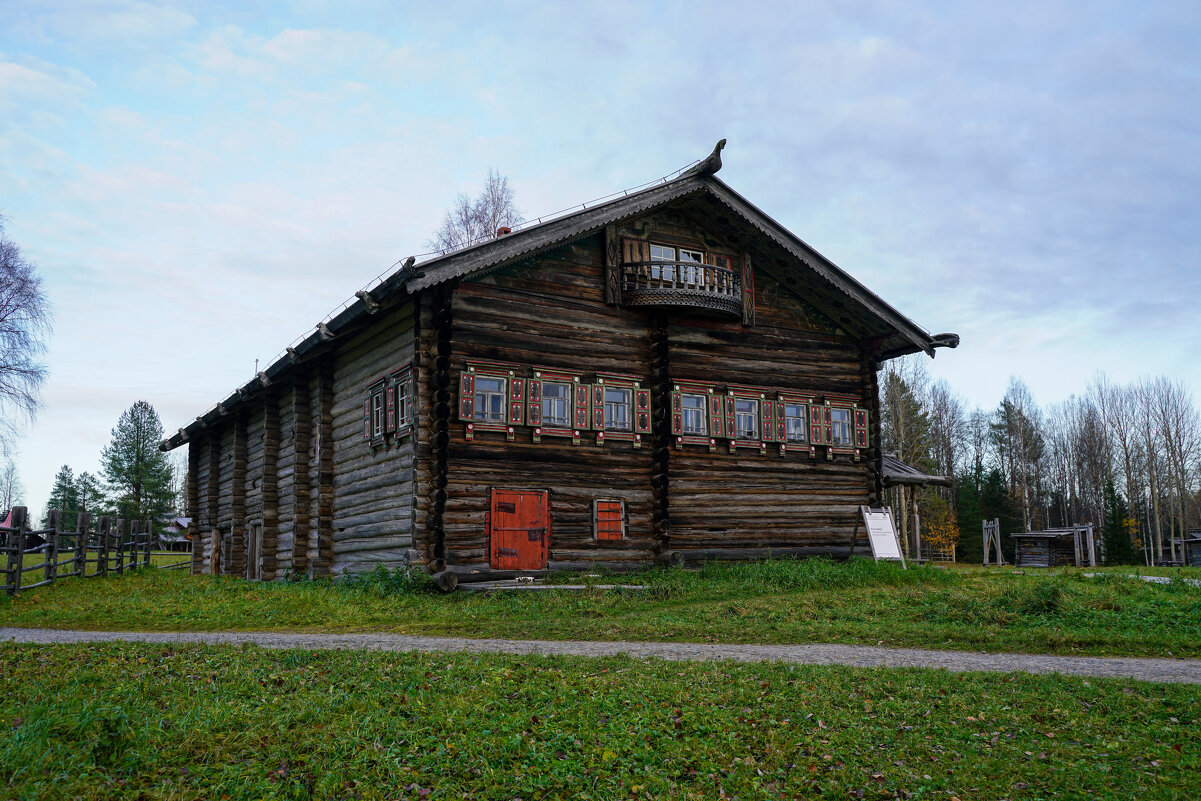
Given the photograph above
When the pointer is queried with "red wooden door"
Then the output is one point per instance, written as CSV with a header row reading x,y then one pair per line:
x,y
519,533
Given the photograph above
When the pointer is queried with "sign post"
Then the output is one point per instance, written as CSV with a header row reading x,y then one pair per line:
x,y
882,534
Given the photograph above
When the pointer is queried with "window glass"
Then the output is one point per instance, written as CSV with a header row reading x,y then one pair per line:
x,y
746,419
662,253
490,399
694,414
377,414
617,409
795,422
554,404
840,424
688,273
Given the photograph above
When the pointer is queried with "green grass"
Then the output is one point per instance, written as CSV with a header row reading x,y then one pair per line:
x,y
153,722
785,601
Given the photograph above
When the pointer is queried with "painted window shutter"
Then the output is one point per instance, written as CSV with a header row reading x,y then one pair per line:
x,y
533,406
635,250
731,418
717,420
367,418
642,411
583,399
767,418
748,291
390,409
516,401
781,427
827,426
677,414
815,425
466,396
598,407
861,439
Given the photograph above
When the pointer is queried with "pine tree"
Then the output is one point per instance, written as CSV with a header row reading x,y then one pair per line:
x,y
137,473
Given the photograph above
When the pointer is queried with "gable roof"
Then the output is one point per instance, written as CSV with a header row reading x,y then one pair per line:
x,y
856,308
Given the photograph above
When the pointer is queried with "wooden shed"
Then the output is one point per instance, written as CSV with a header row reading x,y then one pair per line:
x,y
668,375
1054,547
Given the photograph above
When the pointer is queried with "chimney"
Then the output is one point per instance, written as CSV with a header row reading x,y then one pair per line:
x,y
504,230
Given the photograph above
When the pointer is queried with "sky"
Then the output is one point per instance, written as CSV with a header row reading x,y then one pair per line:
x,y
200,183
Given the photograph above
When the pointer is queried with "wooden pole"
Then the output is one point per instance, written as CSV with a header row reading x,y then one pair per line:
x,y
16,553
103,533
50,571
81,544
146,545
119,537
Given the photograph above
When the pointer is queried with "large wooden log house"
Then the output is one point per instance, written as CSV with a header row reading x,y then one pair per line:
x,y
670,375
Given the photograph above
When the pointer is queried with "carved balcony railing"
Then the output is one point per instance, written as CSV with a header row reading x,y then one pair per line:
x,y
680,283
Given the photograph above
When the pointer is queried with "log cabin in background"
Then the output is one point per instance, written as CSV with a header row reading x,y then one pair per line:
x,y
667,376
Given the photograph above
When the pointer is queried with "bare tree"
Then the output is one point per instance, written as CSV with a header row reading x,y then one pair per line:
x,y
11,489
24,325
469,221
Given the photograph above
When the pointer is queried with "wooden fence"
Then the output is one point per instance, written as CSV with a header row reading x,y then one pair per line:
x,y
109,545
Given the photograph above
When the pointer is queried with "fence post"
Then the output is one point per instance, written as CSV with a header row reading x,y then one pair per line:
x,y
149,536
16,553
120,536
105,530
50,570
81,544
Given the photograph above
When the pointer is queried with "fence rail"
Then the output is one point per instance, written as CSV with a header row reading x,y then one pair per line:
x,y
108,545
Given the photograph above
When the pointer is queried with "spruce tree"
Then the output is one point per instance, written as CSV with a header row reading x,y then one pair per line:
x,y
137,473
1114,538
64,496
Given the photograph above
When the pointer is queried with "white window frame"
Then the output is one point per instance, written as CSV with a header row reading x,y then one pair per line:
x,y
802,422
702,411
480,413
846,426
754,434
628,403
567,401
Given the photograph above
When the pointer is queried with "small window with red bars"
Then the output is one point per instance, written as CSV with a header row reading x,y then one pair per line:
x,y
609,519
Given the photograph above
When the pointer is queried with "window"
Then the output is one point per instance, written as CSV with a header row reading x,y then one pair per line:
x,y
374,406
609,519
556,398
663,253
400,402
377,413
617,409
688,273
840,425
695,410
746,419
796,422
490,399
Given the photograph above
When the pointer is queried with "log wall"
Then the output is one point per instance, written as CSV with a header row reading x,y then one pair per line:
x,y
294,462
550,314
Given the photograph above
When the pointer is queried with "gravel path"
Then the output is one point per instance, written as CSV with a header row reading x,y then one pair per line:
x,y
1183,671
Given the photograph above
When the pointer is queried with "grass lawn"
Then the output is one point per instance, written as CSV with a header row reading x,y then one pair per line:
x,y
784,601
157,722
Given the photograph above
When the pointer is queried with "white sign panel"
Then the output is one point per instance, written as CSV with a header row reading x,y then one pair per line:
x,y
881,533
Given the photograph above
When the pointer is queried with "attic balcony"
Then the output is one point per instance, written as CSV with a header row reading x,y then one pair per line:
x,y
702,287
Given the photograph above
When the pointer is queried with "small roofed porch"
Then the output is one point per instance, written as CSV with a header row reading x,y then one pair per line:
x,y
907,480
